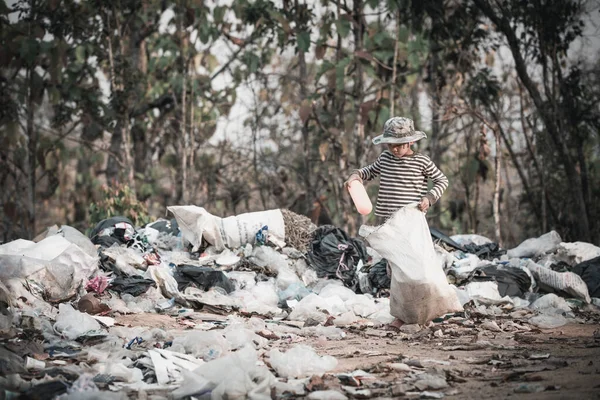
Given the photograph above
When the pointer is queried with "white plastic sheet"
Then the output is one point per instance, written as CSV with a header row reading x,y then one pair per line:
x,y
300,361
536,246
576,252
232,232
419,289
54,268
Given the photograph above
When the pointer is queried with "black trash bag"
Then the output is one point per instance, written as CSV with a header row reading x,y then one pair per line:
x,y
488,251
511,281
378,275
589,271
440,237
332,254
119,228
202,277
133,285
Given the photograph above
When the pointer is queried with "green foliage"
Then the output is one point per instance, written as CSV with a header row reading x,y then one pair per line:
x,y
118,199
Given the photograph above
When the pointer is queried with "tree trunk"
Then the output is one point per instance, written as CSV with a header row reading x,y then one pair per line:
x,y
497,163
502,23
32,140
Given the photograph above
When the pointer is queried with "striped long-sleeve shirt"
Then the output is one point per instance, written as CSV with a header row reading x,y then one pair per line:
x,y
403,180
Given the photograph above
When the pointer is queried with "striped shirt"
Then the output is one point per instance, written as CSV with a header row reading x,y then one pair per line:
x,y
403,180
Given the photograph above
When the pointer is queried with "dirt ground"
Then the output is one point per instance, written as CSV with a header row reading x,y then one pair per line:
x,y
493,365
506,359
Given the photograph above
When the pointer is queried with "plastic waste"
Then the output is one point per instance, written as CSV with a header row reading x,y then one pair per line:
x,y
335,255
485,292
235,376
576,252
470,239
296,291
75,237
360,197
536,246
553,302
326,395
544,321
53,268
72,324
300,361
206,345
242,279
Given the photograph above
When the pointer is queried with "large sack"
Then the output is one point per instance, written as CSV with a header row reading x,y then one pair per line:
x,y
419,289
589,271
232,232
562,282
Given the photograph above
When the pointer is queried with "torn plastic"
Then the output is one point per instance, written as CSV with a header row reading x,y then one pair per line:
x,y
234,376
73,324
53,268
576,252
202,277
536,246
75,237
300,361
470,239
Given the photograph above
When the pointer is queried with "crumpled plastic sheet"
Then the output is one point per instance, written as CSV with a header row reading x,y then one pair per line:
x,y
53,269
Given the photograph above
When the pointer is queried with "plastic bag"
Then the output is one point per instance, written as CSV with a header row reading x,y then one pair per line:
x,y
72,324
536,246
419,289
576,252
206,345
334,255
470,239
300,361
235,376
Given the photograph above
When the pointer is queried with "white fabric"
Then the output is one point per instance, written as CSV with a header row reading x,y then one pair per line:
x,y
231,232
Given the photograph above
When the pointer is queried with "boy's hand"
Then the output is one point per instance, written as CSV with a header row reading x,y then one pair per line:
x,y
353,177
424,204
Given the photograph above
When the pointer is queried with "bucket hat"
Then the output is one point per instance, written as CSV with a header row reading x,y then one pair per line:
x,y
399,130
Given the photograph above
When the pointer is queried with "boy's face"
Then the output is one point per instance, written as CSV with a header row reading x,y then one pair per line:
x,y
400,150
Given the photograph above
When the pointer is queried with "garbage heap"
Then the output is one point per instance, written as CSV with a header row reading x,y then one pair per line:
x,y
199,305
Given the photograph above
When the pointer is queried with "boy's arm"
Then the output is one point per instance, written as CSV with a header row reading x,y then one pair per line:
x,y
440,182
370,171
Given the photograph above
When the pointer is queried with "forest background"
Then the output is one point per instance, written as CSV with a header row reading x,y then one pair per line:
x,y
239,106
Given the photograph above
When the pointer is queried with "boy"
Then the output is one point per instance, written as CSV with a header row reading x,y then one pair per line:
x,y
403,172
403,175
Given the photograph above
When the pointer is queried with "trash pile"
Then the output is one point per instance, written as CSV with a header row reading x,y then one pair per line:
x,y
207,307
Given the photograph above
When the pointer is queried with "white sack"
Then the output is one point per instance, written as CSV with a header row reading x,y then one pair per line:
x,y
567,282
419,289
231,232
536,246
